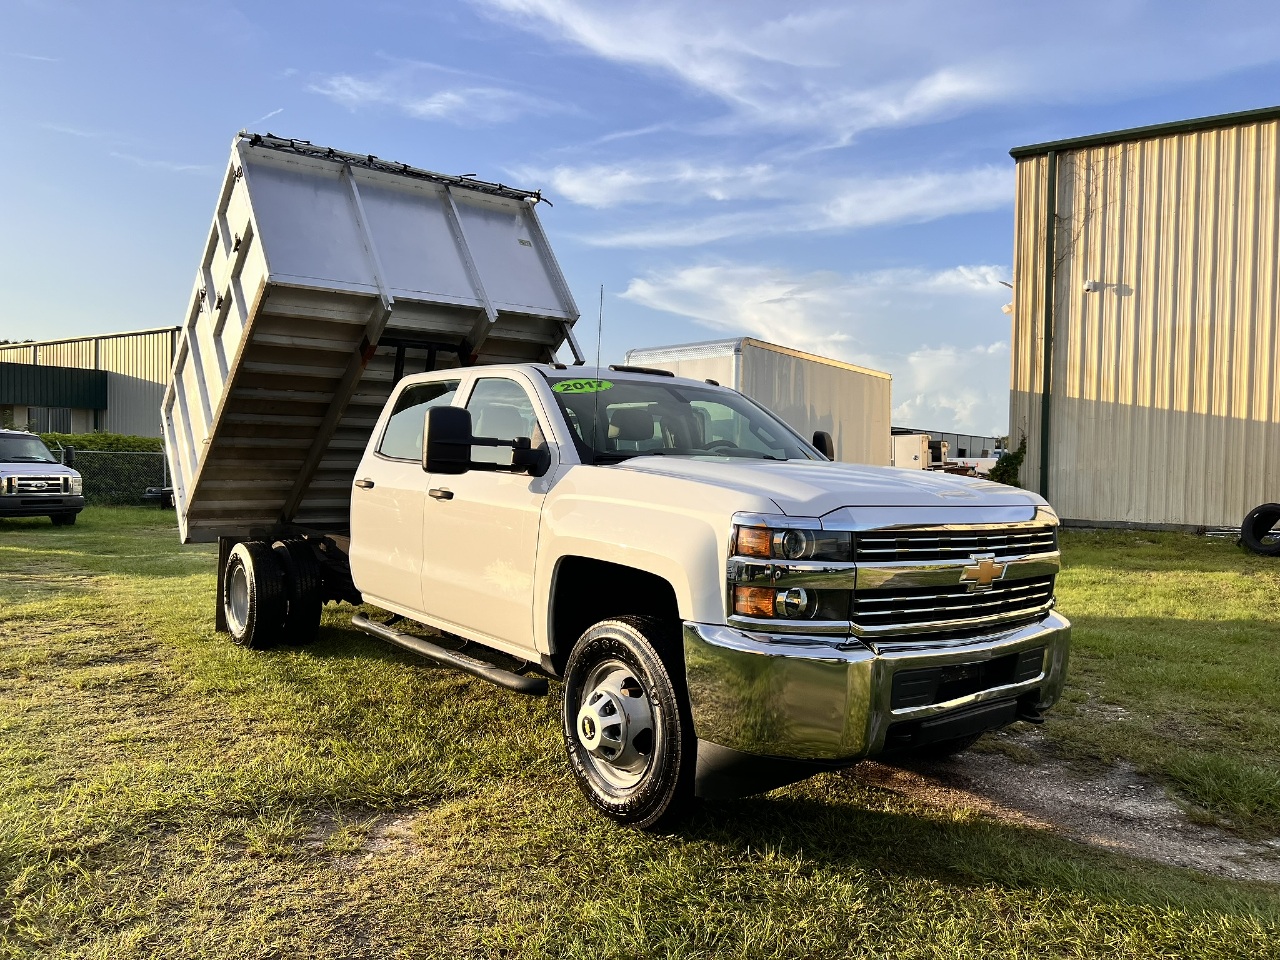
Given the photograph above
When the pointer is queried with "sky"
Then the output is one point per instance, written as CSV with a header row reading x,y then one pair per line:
x,y
830,176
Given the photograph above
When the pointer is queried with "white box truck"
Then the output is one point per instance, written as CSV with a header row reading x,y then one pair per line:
x,y
811,394
365,407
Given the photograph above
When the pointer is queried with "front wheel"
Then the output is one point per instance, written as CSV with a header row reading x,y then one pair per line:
x,y
626,724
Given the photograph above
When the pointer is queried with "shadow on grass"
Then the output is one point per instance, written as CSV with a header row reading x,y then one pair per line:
x,y
839,826
845,827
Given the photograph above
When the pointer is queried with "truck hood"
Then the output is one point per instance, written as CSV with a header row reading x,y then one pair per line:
x,y
26,468
809,488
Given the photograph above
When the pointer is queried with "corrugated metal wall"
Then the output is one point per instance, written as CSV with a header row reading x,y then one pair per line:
x,y
850,403
137,367
1165,406
48,386
139,372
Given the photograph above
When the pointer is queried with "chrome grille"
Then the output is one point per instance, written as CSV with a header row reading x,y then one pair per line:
x,y
955,544
925,609
39,485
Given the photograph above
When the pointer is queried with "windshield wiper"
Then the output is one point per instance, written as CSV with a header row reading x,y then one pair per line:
x,y
30,460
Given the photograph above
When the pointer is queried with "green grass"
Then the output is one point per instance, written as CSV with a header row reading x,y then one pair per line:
x,y
165,793
1175,666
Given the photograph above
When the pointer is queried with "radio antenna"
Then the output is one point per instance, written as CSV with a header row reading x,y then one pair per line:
x,y
596,443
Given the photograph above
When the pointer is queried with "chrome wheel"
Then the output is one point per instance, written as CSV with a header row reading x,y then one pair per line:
x,y
237,598
253,598
615,724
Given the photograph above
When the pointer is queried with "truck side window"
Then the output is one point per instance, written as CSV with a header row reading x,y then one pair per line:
x,y
402,440
501,409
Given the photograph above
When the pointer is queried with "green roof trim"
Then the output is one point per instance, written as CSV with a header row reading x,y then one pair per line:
x,y
1151,132
30,385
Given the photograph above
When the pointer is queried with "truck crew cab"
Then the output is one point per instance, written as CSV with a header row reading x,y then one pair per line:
x,y
727,610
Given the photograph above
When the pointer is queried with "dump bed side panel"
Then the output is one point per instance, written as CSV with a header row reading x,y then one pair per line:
x,y
323,280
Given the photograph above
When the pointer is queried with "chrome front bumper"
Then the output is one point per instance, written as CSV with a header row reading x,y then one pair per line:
x,y
819,698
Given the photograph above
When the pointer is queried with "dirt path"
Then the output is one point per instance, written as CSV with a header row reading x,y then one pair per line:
x,y
1119,810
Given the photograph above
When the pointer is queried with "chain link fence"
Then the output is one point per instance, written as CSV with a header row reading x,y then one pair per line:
x,y
115,478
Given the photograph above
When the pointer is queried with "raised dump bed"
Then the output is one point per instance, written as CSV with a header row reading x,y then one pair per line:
x,y
327,276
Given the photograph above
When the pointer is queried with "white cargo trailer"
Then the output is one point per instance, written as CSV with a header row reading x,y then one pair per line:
x,y
809,392
326,277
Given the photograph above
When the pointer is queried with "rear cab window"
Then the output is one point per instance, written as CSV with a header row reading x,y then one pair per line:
x,y
402,438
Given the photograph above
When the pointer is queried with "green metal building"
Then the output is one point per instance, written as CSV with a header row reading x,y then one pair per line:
x,y
111,383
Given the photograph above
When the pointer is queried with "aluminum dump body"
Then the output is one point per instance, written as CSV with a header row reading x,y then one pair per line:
x,y
325,278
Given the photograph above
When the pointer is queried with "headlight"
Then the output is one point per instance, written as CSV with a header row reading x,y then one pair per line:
x,y
77,486
8,485
793,544
790,603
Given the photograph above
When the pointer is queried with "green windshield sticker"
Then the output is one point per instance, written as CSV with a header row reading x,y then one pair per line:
x,y
582,386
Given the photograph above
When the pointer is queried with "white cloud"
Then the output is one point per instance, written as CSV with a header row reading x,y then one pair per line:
x,y
611,185
169,166
266,116
967,387
918,325
814,205
422,91
842,68
72,131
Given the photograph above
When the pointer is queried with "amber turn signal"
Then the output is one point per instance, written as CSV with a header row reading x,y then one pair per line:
x,y
754,601
755,542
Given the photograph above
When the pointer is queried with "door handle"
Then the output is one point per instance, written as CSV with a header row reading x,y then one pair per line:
x,y
440,493
365,484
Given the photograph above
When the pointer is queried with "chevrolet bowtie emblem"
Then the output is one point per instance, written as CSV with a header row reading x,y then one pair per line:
x,y
984,572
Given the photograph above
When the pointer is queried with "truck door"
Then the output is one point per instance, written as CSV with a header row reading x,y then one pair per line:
x,y
481,528
387,502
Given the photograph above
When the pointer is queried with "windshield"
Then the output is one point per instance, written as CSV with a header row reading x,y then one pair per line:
x,y
24,450
613,421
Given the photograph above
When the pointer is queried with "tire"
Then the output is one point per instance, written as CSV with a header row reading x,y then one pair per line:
x,y
63,519
303,599
1258,533
638,771
253,596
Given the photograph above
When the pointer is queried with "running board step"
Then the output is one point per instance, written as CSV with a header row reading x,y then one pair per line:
x,y
529,686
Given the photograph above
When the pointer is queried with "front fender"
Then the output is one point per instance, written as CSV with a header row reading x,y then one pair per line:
x,y
671,528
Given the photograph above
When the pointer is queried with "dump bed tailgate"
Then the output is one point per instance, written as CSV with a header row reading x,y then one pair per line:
x,y
325,278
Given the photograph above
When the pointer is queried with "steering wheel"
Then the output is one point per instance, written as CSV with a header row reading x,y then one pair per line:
x,y
719,444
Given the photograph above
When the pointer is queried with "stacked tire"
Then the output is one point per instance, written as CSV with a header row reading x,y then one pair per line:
x,y
1260,531
272,593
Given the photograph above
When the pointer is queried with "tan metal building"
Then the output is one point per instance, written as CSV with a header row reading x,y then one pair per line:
x,y
1151,257
137,367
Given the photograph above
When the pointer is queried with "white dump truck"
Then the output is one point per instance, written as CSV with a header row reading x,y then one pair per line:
x,y
366,406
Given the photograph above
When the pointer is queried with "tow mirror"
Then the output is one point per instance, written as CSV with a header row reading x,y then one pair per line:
x,y
824,444
446,440
68,456
533,461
